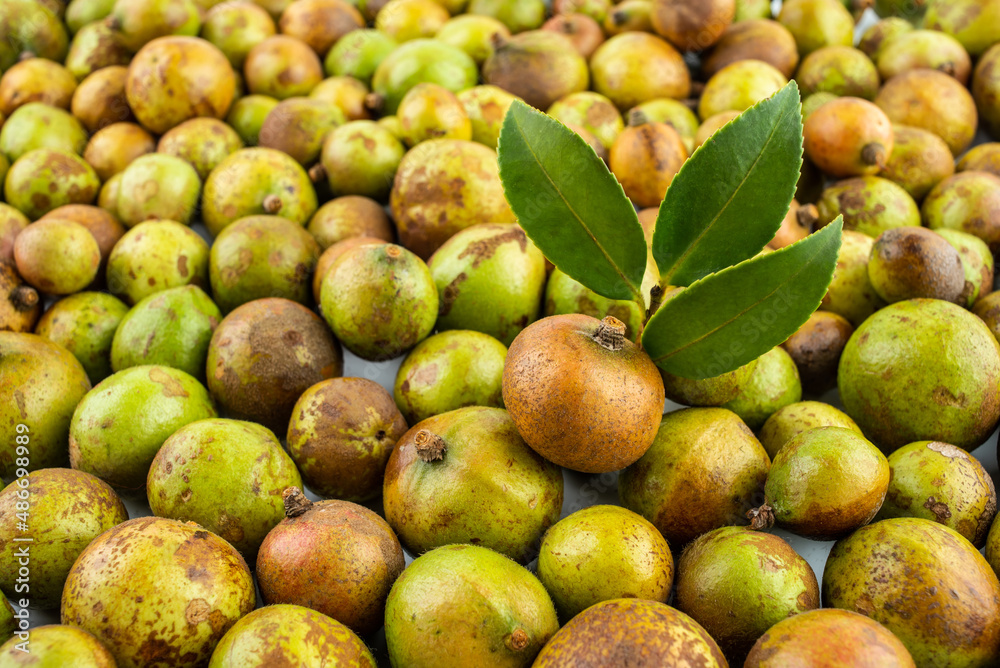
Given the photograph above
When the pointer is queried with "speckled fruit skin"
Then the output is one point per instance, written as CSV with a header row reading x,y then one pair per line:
x,y
68,510
650,633
932,101
591,111
692,27
340,436
422,60
888,391
282,67
100,100
158,187
913,262
602,553
756,39
350,216
982,158
919,161
974,23
793,419
264,355
450,370
330,256
262,256
829,638
923,582
154,256
472,33
237,28
590,436
58,645
57,256
337,558
12,222
42,383
929,49
712,391
32,27
486,106
171,327
29,183
635,67
20,304
487,487
114,147
202,142
645,159
739,86
986,89
298,126
773,384
173,79
346,94
227,476
826,482
490,278
37,125
136,25
380,301
939,482
247,115
120,424
361,158
565,295
442,187
320,23
539,66
430,111
968,202
36,80
977,261
497,614
164,592
704,458
848,136
289,634
850,293
254,181
878,36
841,70
737,583
7,622
816,348
817,23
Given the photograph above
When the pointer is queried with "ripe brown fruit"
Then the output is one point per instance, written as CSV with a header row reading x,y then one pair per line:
x,y
320,23
645,159
692,25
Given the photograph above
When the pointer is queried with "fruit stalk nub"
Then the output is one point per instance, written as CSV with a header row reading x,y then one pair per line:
x,y
24,297
517,640
272,204
610,333
430,446
317,173
296,502
807,216
873,154
761,518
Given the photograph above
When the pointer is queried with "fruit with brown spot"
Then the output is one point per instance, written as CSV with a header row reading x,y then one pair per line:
x,y
154,256
645,159
406,20
282,67
320,23
817,23
713,391
914,262
773,384
114,147
986,89
816,348
61,645
974,23
794,419
330,256
20,304
36,80
85,324
692,26
517,15
539,66
919,160
32,28
158,187
345,93
869,204
100,100
347,217
925,49
298,126
968,202
850,293
340,436
45,179
57,256
235,28
932,101
430,111
361,158
977,259
849,137
566,295
583,31
202,142
137,24
95,47
840,70
982,158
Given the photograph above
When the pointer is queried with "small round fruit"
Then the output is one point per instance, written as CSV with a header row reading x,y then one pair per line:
x,y
539,66
320,23
350,216
924,49
583,31
977,261
345,93
817,23
100,100
566,295
156,255
692,26
298,126
330,256
869,204
37,125
203,142
968,202
739,86
974,23
919,160
635,67
848,137
36,80
57,256
793,419
361,158
247,115
282,67
773,384
754,39
46,179
645,159
235,28
405,20
473,34
114,147
486,107
850,293
158,187
712,391
816,348
840,70
85,324
417,61
358,53
430,111
932,101
58,645
913,262
982,158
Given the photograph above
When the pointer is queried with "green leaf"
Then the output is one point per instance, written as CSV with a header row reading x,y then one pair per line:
x,y
730,197
570,205
730,318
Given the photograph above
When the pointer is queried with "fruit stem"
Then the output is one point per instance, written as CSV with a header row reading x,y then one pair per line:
x,y
517,640
24,297
430,446
873,154
497,41
317,172
808,216
375,103
619,18
296,502
636,118
655,300
610,333
761,518
272,204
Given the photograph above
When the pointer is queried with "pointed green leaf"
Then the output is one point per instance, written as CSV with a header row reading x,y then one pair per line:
x,y
570,205
730,197
730,318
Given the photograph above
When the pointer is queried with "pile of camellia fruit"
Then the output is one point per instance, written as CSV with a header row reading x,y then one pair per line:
x,y
499,333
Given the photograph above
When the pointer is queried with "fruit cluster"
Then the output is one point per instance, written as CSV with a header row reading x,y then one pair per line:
x,y
206,203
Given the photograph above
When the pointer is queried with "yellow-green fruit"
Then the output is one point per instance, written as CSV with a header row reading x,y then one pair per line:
x,y
46,179
36,80
893,395
704,458
291,634
919,160
566,295
977,261
405,20
739,86
203,142
490,279
473,34
450,370
418,61
841,70
444,186
349,217
37,125
298,126
793,419
656,633
773,384
340,436
68,509
752,9
982,158
30,27
672,112
56,646
817,23
8,625
345,93
430,111
850,293
84,12
968,202
986,89
869,204
94,48
282,67
942,483
927,49
43,384
203,457
361,158
486,106
114,147
592,112
737,583
878,36
200,584
824,483
154,256
158,187
517,15
247,116
57,256
497,614
974,23
137,24
235,28
932,101
925,583
358,54
713,391
85,324
602,553
635,67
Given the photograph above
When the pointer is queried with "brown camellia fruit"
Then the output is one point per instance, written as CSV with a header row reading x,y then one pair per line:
x,y
645,158
914,262
320,23
335,557
848,137
692,25
816,349
932,101
581,394
755,39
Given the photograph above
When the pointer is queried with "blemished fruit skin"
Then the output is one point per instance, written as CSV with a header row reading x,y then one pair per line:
x,y
841,70
113,148
817,23
486,107
816,348
156,255
738,86
969,202
849,136
932,101
757,39
602,553
913,262
119,426
939,482
650,633
349,217
888,391
362,158
566,295
471,459
225,475
982,158
293,635
57,256
37,125
46,383
635,67
450,370
925,583
45,179
929,49
986,89
158,187
298,126
919,161
793,419
977,261
705,458
609,371
235,28
68,510
166,592
850,293
335,557
95,47
463,605
421,60
340,436
539,66
737,583
202,142
282,67
58,645
645,159
974,23
713,391
829,638
773,384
